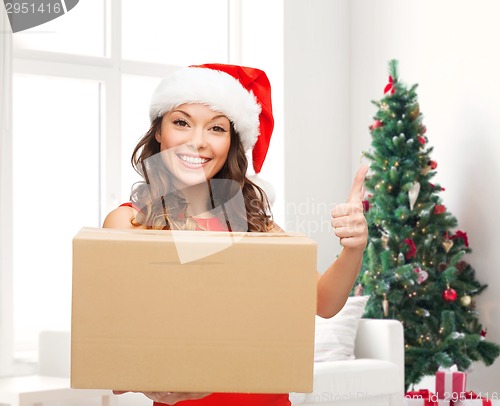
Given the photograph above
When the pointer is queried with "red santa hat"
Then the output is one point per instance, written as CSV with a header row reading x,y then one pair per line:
x,y
243,94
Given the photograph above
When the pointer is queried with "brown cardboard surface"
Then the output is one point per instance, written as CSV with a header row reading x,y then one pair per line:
x,y
240,319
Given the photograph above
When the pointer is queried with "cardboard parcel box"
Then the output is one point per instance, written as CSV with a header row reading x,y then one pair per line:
x,y
193,311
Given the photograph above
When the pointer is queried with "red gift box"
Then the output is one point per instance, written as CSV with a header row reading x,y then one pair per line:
x,y
450,384
422,396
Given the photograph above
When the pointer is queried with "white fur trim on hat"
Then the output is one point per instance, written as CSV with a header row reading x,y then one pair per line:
x,y
218,90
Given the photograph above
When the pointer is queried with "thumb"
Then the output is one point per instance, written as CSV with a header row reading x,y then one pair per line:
x,y
356,194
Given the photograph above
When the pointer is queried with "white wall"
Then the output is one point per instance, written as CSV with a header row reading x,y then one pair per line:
x,y
451,49
336,55
317,143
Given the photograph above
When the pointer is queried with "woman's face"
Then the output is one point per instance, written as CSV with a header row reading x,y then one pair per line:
x,y
194,143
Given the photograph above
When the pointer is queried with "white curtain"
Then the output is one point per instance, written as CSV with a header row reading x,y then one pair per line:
x,y
6,322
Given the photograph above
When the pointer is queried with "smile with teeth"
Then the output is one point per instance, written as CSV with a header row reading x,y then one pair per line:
x,y
193,160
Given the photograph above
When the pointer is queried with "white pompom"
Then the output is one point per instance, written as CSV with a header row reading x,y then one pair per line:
x,y
266,186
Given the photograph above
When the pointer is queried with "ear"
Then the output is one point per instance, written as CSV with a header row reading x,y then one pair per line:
x,y
158,130
158,136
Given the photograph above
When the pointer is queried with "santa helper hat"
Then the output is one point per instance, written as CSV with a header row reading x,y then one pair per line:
x,y
243,94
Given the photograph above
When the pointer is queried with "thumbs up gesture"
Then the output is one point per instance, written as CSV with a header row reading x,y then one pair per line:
x,y
348,220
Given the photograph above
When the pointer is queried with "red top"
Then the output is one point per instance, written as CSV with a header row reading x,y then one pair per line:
x,y
204,223
236,399
229,399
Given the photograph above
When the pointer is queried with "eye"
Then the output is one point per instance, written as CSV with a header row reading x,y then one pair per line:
x,y
218,128
180,122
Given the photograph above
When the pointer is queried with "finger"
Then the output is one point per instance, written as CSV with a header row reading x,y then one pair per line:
x,y
343,232
353,242
172,398
356,194
356,227
346,209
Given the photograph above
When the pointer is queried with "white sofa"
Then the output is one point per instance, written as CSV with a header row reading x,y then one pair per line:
x,y
52,383
375,377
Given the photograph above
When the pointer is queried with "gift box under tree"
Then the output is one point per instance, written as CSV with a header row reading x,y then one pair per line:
x,y
423,397
450,383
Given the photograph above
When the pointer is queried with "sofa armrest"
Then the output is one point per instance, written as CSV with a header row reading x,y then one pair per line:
x,y
381,339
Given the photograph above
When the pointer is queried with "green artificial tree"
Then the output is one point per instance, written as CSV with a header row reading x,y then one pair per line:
x,y
413,267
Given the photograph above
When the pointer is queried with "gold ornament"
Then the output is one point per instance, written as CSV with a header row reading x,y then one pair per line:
x,y
425,170
385,306
466,300
385,241
447,244
415,112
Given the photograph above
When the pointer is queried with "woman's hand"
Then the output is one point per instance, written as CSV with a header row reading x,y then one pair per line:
x,y
170,398
348,220
349,224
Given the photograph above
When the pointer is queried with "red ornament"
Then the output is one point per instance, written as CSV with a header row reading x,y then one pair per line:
x,y
450,295
433,164
366,206
390,86
432,185
463,236
439,209
376,124
412,248
483,332
422,139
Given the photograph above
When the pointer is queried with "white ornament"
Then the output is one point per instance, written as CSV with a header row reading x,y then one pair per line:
x,y
421,275
413,194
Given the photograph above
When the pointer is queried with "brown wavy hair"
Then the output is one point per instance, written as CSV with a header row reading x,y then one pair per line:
x,y
162,207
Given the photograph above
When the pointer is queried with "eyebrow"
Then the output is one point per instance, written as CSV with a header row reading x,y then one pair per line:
x,y
188,115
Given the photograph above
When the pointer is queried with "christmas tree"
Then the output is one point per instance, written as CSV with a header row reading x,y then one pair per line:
x,y
413,267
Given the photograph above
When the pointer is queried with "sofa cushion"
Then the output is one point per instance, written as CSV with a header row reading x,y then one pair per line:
x,y
334,337
351,380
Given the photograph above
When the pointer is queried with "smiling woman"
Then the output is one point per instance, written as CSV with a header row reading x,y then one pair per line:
x,y
203,121
198,137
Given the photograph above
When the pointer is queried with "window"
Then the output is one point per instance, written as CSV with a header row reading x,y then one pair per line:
x,y
176,31
70,33
76,98
55,191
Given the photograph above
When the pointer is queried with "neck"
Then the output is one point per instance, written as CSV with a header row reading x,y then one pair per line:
x,y
198,199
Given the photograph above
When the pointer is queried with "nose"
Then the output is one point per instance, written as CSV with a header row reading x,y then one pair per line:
x,y
198,139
